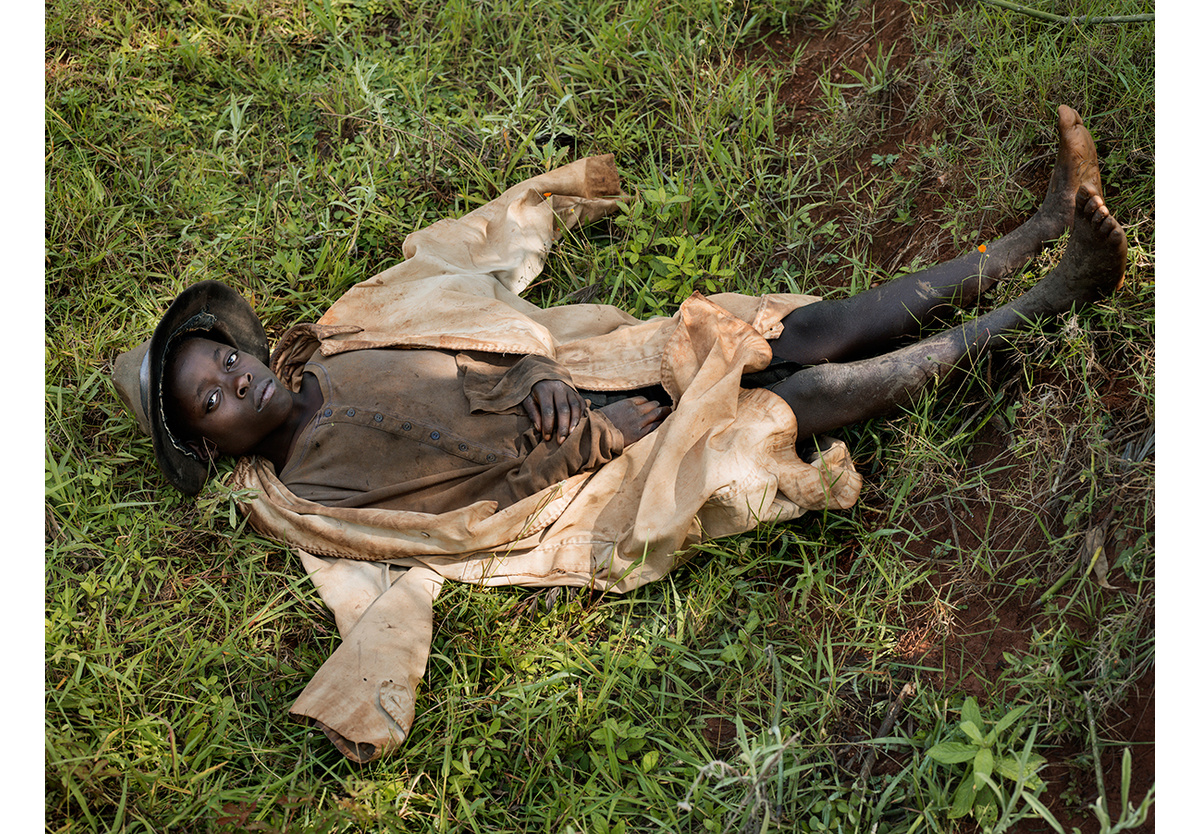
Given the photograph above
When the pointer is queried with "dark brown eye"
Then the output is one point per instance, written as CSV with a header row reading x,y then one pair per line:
x,y
231,359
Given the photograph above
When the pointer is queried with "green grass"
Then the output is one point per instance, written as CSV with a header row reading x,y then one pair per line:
x,y
288,146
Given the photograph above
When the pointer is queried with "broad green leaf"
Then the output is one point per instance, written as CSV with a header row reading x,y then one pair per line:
x,y
1010,718
1009,767
983,763
985,811
970,711
994,792
964,798
951,752
972,731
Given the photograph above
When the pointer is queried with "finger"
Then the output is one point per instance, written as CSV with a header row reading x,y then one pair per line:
x,y
547,424
654,418
531,412
578,406
563,409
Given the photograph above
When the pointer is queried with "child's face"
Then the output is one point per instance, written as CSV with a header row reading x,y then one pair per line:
x,y
225,396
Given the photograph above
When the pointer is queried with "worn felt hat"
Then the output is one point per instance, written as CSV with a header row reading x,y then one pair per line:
x,y
209,309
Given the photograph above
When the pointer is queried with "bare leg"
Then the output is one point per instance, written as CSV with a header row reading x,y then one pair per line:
x,y
828,396
844,328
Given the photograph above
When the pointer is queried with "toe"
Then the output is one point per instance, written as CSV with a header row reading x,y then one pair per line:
x,y
1112,230
1068,117
1087,200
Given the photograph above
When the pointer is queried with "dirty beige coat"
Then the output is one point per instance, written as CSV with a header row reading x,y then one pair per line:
x,y
722,462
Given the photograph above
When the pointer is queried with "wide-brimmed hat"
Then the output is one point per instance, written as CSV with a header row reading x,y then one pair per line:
x,y
209,309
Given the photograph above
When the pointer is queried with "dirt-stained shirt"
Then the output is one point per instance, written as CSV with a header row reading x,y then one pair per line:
x,y
431,431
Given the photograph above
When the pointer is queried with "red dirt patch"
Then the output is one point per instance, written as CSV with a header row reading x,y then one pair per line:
x,y
891,136
845,54
974,633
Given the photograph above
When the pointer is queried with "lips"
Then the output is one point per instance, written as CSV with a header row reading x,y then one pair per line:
x,y
264,394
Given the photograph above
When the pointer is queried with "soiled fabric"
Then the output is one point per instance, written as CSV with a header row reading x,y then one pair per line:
x,y
430,431
723,462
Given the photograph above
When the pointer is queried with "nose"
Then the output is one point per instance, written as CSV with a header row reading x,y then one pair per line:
x,y
243,384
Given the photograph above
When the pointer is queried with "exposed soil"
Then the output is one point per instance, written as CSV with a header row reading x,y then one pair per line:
x,y
894,133
970,642
882,28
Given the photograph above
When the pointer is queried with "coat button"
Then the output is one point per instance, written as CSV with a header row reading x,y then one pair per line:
x,y
378,418
491,458
462,447
329,412
406,426
349,412
435,435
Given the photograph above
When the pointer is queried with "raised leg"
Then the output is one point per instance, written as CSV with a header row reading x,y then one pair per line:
x,y
839,329
828,396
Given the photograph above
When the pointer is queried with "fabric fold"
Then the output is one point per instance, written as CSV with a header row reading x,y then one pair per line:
x,y
364,696
502,383
723,462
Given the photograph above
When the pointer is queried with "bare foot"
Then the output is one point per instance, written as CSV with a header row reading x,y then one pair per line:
x,y
1076,167
636,417
1094,264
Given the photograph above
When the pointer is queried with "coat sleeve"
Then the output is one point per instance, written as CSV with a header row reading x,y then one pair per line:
x,y
497,383
460,283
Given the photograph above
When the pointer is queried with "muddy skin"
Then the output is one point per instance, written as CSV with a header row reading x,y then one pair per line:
x,y
871,321
828,396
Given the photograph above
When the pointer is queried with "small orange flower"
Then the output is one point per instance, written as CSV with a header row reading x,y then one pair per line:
x,y
982,247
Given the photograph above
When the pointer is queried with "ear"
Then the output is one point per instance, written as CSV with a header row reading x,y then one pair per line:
x,y
204,449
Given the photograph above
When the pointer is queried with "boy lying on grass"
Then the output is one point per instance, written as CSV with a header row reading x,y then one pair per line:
x,y
435,425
